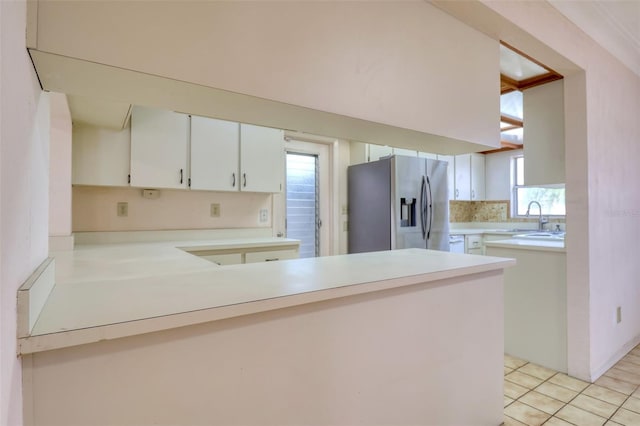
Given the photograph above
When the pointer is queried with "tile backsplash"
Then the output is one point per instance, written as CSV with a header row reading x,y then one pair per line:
x,y
485,211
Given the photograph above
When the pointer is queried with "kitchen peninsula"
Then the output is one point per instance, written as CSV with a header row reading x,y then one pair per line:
x,y
146,333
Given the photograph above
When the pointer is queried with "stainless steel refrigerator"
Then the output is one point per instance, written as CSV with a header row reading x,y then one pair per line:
x,y
398,202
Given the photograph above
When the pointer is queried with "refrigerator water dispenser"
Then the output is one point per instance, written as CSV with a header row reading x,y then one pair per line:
x,y
407,212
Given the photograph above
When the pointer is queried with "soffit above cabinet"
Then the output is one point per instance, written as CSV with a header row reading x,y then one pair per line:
x,y
98,112
77,78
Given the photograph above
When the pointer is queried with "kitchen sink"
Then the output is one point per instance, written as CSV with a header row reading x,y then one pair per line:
x,y
542,235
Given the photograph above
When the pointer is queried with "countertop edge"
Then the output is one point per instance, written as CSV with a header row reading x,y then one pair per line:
x,y
58,340
528,245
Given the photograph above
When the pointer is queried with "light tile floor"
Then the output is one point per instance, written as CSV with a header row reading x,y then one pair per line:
x,y
535,395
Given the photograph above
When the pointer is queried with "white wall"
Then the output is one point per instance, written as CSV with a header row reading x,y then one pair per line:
x,y
24,156
60,169
95,209
602,105
396,63
498,174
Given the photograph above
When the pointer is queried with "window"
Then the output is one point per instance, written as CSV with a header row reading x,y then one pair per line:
x,y
302,202
551,198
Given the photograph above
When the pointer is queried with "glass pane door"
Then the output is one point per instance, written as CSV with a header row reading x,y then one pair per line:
x,y
302,221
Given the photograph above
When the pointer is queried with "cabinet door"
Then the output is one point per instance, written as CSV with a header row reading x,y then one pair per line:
x,y
375,152
407,152
463,177
261,159
159,144
451,171
477,177
215,154
270,256
428,155
100,156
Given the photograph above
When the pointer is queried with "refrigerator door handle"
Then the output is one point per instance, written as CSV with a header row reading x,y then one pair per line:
x,y
423,212
430,205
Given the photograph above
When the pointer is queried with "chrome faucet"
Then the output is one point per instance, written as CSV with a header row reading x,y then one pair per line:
x,y
541,220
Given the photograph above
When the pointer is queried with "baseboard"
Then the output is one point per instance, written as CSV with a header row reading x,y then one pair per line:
x,y
617,356
33,294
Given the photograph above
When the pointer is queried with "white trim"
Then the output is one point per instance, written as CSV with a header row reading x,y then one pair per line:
x,y
33,294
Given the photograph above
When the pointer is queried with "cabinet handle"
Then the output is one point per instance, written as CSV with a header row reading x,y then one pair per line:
x,y
244,179
272,260
457,193
233,177
473,194
181,176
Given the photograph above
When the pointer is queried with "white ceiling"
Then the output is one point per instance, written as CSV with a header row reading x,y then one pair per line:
x,y
614,24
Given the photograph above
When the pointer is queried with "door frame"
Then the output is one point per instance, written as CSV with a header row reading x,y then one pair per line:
x,y
324,148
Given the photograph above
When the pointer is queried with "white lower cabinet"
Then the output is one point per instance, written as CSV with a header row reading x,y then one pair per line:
x,y
249,255
224,259
473,244
270,256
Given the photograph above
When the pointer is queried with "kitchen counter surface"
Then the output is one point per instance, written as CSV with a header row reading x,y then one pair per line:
x,y
528,244
108,291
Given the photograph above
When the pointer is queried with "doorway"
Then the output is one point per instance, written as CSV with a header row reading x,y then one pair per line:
x,y
302,202
314,227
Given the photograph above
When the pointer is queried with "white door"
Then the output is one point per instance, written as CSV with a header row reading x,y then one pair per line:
x,y
477,177
375,152
215,154
261,159
451,171
324,227
463,177
159,145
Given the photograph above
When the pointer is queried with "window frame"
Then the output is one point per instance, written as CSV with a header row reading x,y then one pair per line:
x,y
515,187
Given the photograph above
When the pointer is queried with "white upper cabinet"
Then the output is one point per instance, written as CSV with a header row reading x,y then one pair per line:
x,y
376,152
543,108
407,152
469,177
450,159
261,159
478,177
159,147
100,156
215,154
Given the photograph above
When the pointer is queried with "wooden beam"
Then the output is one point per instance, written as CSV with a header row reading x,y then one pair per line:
x,y
510,120
538,80
507,84
505,146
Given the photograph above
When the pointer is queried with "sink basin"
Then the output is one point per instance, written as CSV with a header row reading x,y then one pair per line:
x,y
542,235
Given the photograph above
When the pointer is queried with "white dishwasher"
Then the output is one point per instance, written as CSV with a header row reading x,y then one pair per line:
x,y
456,243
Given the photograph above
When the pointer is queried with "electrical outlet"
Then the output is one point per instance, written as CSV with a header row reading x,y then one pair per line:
x,y
215,210
619,314
345,209
345,226
264,215
123,209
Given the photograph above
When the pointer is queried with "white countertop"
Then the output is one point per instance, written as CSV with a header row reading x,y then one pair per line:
x,y
528,244
117,290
